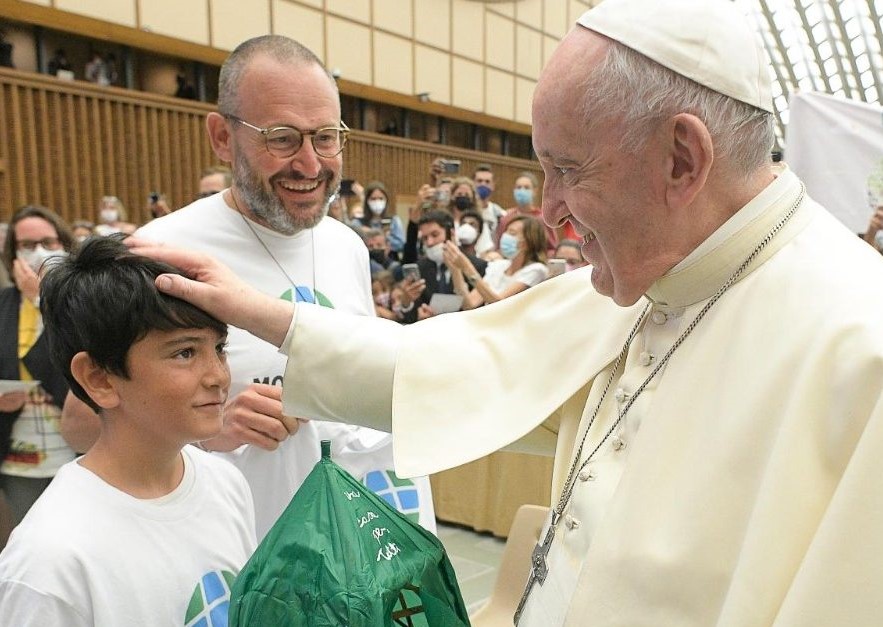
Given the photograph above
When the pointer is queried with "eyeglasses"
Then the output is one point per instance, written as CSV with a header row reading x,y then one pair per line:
x,y
49,243
285,141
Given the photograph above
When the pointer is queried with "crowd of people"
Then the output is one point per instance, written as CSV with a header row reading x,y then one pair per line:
x,y
455,233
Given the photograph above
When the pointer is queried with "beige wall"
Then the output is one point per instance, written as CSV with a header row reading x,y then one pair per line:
x,y
483,56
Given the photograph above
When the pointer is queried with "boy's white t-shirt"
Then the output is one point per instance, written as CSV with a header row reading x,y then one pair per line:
x,y
328,265
89,554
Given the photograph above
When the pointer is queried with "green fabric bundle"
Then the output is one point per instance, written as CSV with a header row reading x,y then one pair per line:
x,y
340,555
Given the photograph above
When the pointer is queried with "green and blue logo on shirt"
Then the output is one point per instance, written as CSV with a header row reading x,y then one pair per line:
x,y
402,494
210,602
303,294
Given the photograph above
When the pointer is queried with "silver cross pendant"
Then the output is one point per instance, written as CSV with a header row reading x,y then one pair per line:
x,y
539,569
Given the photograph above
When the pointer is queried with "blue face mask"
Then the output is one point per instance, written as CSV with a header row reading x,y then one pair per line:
x,y
508,245
523,196
484,192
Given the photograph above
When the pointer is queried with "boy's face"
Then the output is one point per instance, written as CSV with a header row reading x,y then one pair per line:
x,y
177,385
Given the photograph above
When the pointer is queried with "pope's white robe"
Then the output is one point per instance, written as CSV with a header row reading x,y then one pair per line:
x,y
743,487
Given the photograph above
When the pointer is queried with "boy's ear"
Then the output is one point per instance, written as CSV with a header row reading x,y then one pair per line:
x,y
94,380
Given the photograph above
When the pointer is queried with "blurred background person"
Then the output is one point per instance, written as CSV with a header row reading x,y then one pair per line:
x,y
82,230
491,212
31,418
524,193
157,205
435,229
112,217
338,210
524,247
568,251
470,231
59,63
382,286
379,252
463,198
214,179
379,213
96,70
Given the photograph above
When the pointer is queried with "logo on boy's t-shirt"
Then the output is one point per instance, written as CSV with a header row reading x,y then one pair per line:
x,y
210,602
303,294
402,494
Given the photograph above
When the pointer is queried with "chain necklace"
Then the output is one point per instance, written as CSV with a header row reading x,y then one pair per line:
x,y
539,567
299,291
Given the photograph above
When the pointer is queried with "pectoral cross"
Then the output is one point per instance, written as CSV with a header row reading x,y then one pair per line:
x,y
539,569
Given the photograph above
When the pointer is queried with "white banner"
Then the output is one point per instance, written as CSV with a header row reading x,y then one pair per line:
x,y
836,146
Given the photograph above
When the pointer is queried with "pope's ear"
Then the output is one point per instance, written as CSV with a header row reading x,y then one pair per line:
x,y
219,135
691,154
95,380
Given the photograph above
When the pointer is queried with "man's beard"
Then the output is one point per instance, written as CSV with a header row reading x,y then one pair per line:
x,y
267,206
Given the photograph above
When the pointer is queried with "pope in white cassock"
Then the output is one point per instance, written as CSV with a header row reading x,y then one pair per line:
x,y
718,433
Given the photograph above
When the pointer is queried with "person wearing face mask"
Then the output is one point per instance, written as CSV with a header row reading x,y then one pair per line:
x,y
436,229
463,198
112,217
491,212
379,253
379,213
469,232
568,250
82,230
526,186
32,417
524,247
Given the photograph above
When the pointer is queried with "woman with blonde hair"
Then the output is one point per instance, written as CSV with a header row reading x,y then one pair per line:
x,y
112,217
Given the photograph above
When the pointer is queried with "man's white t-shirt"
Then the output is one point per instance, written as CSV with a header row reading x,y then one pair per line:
x,y
327,265
88,554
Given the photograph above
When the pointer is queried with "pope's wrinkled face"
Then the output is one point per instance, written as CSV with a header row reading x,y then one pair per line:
x,y
607,195
289,193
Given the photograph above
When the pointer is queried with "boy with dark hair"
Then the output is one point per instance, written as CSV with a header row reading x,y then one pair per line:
x,y
142,530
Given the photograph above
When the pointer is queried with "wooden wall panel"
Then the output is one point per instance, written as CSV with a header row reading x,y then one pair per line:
x,y
67,144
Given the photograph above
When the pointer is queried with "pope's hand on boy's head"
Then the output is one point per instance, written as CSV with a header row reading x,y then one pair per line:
x,y
214,288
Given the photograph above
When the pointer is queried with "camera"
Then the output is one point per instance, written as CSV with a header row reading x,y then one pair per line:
x,y
411,271
450,166
346,187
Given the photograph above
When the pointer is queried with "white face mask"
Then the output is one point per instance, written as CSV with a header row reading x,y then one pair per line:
x,y
377,206
436,253
109,216
37,257
466,234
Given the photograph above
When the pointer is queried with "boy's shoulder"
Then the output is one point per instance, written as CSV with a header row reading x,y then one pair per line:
x,y
220,475
47,541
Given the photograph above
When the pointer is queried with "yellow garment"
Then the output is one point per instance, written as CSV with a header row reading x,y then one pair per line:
x,y
28,332
746,491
